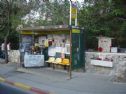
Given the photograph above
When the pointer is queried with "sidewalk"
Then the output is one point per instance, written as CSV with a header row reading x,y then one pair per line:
x,y
56,81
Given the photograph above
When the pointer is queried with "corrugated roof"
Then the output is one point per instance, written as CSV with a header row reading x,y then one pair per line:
x,y
46,28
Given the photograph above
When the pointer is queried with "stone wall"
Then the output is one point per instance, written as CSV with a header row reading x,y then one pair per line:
x,y
116,58
14,56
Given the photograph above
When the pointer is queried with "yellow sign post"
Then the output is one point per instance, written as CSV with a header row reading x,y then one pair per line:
x,y
73,11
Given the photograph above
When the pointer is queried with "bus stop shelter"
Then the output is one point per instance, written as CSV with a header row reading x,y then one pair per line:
x,y
62,41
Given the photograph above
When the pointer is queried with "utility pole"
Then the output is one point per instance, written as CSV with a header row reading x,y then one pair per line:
x,y
71,16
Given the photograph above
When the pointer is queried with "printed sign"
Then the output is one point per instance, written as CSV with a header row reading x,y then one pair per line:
x,y
33,60
73,10
75,31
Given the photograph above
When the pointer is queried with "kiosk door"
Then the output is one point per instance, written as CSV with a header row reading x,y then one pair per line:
x,y
77,49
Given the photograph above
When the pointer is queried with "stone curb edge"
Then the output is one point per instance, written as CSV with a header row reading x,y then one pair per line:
x,y
24,86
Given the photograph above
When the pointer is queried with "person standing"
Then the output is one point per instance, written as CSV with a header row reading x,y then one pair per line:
x,y
8,46
2,47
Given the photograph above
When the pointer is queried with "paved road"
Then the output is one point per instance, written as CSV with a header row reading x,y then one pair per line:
x,y
9,89
57,81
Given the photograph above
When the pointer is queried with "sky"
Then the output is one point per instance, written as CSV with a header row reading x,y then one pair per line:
x,y
80,0
77,0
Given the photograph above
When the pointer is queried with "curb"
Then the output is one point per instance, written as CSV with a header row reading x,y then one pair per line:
x,y
24,86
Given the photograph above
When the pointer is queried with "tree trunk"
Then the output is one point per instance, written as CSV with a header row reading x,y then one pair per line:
x,y
5,42
5,46
8,29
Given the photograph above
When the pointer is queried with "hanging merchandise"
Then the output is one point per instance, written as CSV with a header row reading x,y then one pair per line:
x,y
50,42
46,43
41,40
63,52
51,51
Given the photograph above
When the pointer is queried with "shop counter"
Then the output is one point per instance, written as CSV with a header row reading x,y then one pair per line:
x,y
33,60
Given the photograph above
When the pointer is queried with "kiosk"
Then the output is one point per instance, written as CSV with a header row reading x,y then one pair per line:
x,y
38,44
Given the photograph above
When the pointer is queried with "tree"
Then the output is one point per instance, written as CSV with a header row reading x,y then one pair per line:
x,y
54,12
5,15
104,17
11,12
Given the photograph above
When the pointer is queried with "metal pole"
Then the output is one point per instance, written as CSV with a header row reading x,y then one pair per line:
x,y
70,23
70,67
76,24
20,44
33,37
70,20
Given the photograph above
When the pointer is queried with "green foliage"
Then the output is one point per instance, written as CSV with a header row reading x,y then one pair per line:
x,y
11,12
98,17
54,12
104,17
